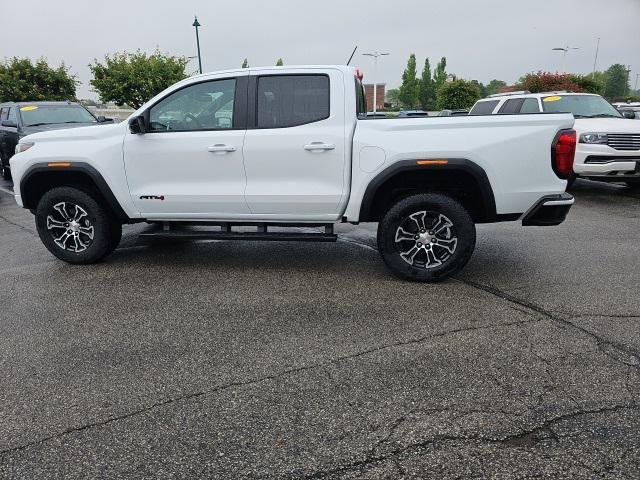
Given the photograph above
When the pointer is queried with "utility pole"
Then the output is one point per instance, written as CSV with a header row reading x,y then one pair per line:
x,y
627,86
375,56
635,87
595,60
564,55
197,24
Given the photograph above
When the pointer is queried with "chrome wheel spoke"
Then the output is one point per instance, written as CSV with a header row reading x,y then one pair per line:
x,y
410,254
53,223
441,223
448,245
402,234
79,213
418,218
88,231
60,208
61,241
432,260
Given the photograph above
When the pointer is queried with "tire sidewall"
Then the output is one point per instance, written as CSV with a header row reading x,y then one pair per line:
x,y
462,224
99,218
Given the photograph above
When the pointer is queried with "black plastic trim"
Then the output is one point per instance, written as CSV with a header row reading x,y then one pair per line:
x,y
453,164
547,215
603,159
80,167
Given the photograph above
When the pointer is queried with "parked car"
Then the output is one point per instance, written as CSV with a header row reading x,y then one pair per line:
x,y
453,113
412,113
376,115
299,150
20,119
608,143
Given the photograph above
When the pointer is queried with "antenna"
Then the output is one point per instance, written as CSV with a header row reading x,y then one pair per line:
x,y
352,54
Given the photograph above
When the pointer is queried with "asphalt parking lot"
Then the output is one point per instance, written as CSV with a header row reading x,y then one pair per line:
x,y
279,360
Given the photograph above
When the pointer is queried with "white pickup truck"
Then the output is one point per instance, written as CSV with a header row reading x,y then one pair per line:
x,y
292,147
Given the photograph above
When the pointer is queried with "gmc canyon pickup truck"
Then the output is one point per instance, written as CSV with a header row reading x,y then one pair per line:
x,y
292,147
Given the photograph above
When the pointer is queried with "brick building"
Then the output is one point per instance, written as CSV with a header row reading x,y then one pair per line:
x,y
380,91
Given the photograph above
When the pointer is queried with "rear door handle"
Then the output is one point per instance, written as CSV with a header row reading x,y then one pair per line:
x,y
313,146
221,148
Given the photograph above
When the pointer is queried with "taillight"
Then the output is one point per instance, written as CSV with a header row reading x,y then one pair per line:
x,y
563,152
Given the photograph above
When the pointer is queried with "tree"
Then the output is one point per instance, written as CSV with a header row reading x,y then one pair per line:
x,y
481,88
617,86
440,75
245,63
410,87
279,63
494,86
133,78
21,81
393,97
457,94
427,88
548,82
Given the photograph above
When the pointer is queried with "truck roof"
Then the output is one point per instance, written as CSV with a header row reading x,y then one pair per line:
x,y
343,68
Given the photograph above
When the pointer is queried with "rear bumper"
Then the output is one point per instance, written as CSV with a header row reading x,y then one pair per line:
x,y
549,210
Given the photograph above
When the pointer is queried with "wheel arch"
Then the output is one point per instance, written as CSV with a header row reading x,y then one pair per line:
x,y
463,179
40,178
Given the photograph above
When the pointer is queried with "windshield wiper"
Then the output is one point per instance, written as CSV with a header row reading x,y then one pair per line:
x,y
604,115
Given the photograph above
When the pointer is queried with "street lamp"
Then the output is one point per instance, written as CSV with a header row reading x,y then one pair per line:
x,y
375,56
197,24
564,55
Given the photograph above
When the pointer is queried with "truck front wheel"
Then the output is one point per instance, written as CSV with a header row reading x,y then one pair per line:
x,y
75,227
426,237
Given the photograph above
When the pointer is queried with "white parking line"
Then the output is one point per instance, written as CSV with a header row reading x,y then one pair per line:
x,y
10,192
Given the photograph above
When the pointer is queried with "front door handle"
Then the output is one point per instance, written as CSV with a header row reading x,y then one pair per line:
x,y
314,146
221,148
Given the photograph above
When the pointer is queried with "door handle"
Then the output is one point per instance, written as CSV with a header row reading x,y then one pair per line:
x,y
221,148
313,146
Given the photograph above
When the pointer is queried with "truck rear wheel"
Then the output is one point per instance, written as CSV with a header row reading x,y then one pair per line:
x,y
75,227
426,237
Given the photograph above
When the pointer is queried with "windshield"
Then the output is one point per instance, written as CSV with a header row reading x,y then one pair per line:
x,y
33,115
582,106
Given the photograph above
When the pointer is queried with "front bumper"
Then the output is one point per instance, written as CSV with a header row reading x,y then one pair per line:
x,y
604,161
549,210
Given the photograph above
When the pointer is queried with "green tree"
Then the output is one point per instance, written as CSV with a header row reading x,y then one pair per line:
x,y
494,86
440,75
427,89
481,88
410,87
279,63
617,85
393,97
457,94
22,80
245,63
133,78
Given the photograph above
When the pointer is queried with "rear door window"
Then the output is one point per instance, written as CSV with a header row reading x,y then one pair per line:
x,y
530,105
484,108
291,100
512,106
3,113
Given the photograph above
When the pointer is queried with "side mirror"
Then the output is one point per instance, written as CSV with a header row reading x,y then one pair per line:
x,y
628,114
101,118
137,125
9,123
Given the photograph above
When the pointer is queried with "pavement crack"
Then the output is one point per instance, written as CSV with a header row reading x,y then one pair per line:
x,y
292,371
31,232
616,351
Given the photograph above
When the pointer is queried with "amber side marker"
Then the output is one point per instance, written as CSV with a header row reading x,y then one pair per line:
x,y
432,162
59,164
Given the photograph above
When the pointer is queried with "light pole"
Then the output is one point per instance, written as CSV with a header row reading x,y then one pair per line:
x,y
635,87
197,24
375,56
595,60
564,55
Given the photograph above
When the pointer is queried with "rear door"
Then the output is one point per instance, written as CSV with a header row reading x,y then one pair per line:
x,y
295,148
8,135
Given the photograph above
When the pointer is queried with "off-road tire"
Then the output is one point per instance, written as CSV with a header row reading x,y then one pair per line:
x,y
51,224
457,238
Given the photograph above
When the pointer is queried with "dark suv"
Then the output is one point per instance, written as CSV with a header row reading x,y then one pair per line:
x,y
18,119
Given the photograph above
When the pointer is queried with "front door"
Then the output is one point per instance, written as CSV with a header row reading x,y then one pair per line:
x,y
294,150
189,163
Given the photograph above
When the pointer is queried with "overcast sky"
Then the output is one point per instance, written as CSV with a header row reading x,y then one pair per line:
x,y
482,39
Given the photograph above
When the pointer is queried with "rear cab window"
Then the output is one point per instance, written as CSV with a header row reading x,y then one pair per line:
x,y
484,107
292,100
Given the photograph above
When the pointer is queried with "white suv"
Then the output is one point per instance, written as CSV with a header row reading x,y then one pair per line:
x,y
609,145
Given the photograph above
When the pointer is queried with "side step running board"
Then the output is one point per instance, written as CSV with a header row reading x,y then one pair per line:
x,y
225,233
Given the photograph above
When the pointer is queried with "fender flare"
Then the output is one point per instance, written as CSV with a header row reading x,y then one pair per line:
x,y
77,167
452,165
